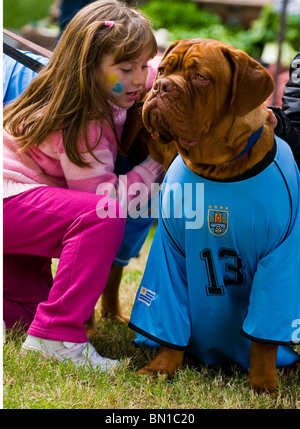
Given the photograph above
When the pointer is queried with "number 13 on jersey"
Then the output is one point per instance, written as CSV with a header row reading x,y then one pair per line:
x,y
233,271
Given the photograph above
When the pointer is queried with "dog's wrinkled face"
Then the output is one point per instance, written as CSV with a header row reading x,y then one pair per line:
x,y
201,87
185,96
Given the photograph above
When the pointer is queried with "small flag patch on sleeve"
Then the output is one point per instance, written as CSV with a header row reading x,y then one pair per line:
x,y
146,295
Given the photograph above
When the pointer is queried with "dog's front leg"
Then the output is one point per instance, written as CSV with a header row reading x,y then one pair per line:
x,y
110,305
262,373
166,361
91,327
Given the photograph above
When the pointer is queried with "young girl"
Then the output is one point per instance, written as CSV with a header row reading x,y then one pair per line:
x,y
61,139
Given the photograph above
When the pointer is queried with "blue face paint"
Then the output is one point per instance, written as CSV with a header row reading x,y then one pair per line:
x,y
114,79
117,88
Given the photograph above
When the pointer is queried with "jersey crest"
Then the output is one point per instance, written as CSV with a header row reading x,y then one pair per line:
x,y
218,220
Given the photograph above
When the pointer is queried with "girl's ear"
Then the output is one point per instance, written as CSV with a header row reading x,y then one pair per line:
x,y
251,83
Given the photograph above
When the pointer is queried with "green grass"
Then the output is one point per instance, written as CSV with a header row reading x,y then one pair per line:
x,y
17,13
30,382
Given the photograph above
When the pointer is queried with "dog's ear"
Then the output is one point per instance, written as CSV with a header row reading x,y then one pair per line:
x,y
251,84
170,48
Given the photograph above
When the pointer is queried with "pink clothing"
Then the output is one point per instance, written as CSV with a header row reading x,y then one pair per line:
x,y
27,282
56,223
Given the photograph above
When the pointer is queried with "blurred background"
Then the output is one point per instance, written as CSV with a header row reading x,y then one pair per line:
x,y
268,30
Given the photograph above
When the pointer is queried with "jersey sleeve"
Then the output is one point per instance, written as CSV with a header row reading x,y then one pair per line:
x,y
161,309
274,306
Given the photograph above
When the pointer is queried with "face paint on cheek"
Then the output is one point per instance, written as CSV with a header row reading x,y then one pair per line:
x,y
117,88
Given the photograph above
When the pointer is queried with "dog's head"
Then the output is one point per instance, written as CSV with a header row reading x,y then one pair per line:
x,y
203,89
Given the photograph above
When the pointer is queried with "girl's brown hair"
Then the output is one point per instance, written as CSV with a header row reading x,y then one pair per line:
x,y
65,94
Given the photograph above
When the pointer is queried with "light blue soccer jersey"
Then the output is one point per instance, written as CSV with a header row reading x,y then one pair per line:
x,y
232,275
16,76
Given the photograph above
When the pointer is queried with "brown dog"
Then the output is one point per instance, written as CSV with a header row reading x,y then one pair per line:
x,y
208,98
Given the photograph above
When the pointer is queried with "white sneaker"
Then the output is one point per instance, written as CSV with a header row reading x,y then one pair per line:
x,y
79,353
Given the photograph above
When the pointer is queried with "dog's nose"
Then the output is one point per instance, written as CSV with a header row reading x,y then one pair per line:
x,y
163,85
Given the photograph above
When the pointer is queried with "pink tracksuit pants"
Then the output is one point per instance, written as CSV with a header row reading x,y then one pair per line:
x,y
45,223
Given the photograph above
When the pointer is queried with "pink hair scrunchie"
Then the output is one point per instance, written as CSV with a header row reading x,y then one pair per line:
x,y
109,24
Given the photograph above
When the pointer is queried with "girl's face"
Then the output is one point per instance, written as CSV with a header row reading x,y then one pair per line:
x,y
123,81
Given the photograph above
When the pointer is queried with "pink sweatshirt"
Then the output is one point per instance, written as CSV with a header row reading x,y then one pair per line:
x,y
48,164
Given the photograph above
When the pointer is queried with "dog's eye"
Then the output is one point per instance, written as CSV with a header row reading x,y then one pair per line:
x,y
161,70
199,80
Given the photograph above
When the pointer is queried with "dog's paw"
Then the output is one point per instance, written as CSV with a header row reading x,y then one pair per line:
x,y
167,361
264,383
152,371
91,327
93,333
